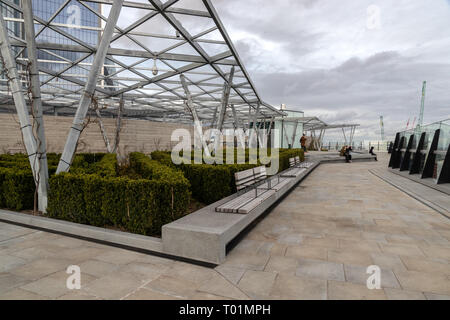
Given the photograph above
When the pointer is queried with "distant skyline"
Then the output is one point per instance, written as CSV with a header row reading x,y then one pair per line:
x,y
346,61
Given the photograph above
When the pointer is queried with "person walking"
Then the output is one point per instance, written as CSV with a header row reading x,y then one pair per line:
x,y
303,142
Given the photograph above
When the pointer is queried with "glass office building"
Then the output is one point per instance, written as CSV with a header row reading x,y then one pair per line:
x,y
78,22
81,26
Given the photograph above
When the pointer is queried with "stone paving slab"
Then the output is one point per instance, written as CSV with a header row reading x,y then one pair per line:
x,y
438,200
315,244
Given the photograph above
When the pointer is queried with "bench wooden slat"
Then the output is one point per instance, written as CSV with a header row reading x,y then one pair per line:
x,y
243,174
249,177
255,202
294,172
233,205
280,186
244,179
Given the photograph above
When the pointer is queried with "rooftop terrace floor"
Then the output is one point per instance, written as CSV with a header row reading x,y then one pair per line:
x,y
315,244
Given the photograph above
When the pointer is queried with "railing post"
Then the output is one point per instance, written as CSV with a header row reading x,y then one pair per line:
x,y
404,165
431,156
444,176
415,167
394,149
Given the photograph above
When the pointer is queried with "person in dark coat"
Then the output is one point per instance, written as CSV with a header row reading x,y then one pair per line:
x,y
348,154
372,153
303,142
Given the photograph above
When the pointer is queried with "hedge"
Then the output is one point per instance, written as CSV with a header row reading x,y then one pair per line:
x,y
286,154
17,185
211,183
93,194
16,188
107,166
137,205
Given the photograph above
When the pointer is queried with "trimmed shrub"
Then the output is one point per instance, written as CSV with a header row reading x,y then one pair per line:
x,y
16,188
164,158
107,166
141,206
286,154
210,183
66,197
17,185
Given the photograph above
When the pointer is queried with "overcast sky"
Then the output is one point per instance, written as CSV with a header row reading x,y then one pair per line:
x,y
347,60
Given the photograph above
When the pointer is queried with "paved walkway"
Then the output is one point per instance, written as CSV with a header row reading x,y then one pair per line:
x,y
435,199
316,244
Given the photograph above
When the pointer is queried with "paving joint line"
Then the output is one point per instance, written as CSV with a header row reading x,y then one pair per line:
x,y
413,195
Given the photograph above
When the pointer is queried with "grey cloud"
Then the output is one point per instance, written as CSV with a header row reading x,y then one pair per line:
x,y
360,90
324,62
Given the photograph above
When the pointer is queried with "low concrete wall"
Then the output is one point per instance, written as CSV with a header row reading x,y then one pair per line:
x,y
136,135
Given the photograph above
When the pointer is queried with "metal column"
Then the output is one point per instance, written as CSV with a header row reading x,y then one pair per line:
x,y
36,107
223,107
87,96
197,123
19,99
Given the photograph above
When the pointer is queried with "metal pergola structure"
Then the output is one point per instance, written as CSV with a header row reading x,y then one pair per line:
x,y
322,128
307,122
134,53
171,61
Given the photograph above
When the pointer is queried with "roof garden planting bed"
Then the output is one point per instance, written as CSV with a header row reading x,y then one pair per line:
x,y
143,197
139,197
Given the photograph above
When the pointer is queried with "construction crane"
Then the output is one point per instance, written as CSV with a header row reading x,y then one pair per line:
x,y
382,128
422,107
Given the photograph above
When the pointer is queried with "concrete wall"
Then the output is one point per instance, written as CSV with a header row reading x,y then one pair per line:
x,y
136,135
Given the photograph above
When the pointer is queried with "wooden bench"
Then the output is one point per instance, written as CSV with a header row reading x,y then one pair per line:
x,y
204,235
304,164
256,191
295,168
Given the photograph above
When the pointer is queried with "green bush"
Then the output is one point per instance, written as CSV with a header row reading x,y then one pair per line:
x,y
163,157
286,154
107,166
18,157
66,197
17,185
93,194
16,188
211,183
136,205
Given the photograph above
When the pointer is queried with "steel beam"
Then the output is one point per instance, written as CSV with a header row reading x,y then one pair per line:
x,y
129,53
36,107
223,106
254,132
197,123
225,99
12,74
285,135
86,98
240,132
103,131
294,134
